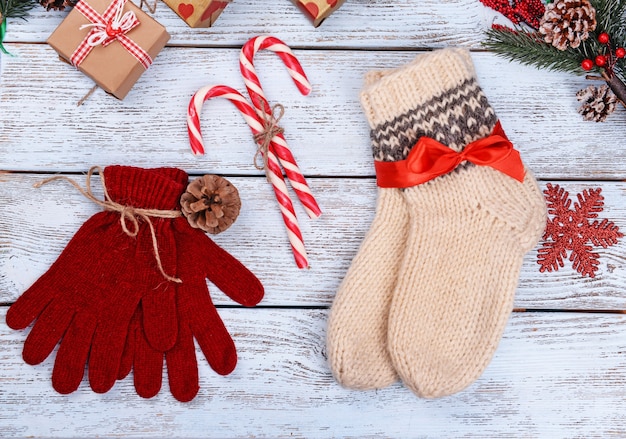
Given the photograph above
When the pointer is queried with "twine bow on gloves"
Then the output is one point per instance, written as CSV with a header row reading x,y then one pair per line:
x,y
130,288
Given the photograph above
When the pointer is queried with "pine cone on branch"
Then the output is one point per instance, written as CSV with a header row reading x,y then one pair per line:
x,y
211,203
58,5
597,103
566,23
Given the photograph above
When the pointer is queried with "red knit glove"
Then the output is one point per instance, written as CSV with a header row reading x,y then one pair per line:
x,y
199,258
88,296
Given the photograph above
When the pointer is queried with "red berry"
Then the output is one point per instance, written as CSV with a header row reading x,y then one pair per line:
x,y
600,60
620,52
603,38
587,64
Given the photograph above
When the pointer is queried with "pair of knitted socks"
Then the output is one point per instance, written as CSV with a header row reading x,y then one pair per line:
x,y
428,295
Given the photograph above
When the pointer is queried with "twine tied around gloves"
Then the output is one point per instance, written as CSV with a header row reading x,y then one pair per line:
x,y
264,138
128,214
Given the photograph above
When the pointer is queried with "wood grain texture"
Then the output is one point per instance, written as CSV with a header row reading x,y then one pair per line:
x,y
31,243
371,24
554,375
42,129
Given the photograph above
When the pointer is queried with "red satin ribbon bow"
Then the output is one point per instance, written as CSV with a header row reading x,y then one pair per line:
x,y
429,159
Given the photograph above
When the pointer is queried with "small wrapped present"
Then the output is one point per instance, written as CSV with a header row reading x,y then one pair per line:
x,y
318,10
112,42
198,13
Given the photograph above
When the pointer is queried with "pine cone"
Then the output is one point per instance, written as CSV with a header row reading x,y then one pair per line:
x,y
597,103
211,203
566,23
58,5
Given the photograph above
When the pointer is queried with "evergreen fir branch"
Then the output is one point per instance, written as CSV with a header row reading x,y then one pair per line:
x,y
610,15
16,8
528,48
619,72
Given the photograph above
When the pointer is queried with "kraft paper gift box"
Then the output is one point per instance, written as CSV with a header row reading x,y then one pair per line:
x,y
198,13
112,67
318,10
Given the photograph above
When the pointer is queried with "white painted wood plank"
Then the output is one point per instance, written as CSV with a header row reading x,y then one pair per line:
x,y
554,375
42,129
31,241
359,23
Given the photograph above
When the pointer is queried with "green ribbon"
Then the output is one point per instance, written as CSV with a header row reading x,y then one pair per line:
x,y
3,31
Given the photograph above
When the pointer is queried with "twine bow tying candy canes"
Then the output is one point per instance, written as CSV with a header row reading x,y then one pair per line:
x,y
264,125
265,112
273,172
112,25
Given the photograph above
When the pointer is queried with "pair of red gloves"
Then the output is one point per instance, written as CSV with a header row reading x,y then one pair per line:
x,y
108,304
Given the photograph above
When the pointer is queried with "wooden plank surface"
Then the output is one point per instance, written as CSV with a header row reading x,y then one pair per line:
x,y
559,372
326,130
372,24
259,240
554,375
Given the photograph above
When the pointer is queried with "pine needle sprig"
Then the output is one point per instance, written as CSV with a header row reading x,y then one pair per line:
x,y
585,38
611,15
529,49
16,8
611,18
12,9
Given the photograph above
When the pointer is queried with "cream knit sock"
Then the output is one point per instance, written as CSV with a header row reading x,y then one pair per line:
x,y
469,229
357,326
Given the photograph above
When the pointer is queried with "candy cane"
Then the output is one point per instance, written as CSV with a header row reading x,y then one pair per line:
x,y
275,175
284,52
262,107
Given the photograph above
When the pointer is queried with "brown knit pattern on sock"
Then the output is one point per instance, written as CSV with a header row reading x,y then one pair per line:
x,y
468,229
455,118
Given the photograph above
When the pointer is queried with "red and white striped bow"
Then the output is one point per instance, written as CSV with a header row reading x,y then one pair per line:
x,y
112,25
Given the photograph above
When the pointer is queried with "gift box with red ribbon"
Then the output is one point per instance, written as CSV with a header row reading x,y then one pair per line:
x,y
318,10
112,42
198,13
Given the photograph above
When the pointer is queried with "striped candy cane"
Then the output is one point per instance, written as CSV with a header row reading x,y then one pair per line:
x,y
262,107
275,175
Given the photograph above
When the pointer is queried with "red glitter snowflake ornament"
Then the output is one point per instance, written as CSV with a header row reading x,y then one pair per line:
x,y
572,229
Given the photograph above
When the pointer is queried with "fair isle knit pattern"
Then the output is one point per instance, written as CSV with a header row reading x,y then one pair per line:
x,y
468,229
455,118
430,291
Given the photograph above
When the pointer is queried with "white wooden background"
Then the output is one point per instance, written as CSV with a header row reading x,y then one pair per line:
x,y
560,370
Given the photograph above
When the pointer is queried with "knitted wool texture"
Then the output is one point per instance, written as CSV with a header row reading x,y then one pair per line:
x,y
357,326
468,230
106,302
196,259
86,299
199,259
